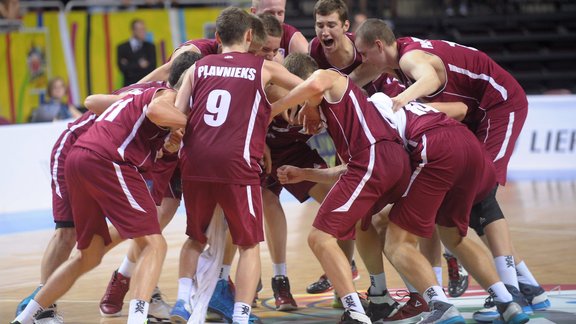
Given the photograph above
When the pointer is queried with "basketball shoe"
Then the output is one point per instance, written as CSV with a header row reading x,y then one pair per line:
x,y
510,313
536,296
457,276
411,312
381,307
48,316
442,313
282,295
352,317
492,312
26,301
323,284
180,313
159,310
113,299
222,302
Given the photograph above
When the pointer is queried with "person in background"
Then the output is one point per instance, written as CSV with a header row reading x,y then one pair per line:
x,y
9,9
55,108
136,57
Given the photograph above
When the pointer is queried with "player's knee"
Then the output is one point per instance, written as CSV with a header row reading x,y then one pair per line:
x,y
317,239
155,242
485,213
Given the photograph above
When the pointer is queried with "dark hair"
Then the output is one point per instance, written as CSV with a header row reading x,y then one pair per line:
x,y
181,64
373,29
232,24
327,7
134,22
272,25
300,64
258,31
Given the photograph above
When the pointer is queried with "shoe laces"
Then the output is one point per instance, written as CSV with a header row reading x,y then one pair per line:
x,y
402,294
283,286
116,288
489,302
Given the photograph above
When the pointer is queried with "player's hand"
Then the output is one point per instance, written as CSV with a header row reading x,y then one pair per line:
x,y
309,118
173,141
290,174
398,102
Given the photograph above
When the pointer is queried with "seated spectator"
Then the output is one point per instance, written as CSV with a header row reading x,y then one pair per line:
x,y
9,9
55,108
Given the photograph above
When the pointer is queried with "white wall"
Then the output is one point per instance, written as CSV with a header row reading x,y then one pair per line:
x,y
546,149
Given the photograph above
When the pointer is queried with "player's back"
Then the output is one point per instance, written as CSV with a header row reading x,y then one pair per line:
x,y
226,131
354,123
471,75
123,133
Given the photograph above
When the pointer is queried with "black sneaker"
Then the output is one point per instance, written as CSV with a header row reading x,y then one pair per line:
x,y
282,295
321,286
352,317
381,306
48,316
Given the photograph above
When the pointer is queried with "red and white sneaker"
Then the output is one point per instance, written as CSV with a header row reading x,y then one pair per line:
x,y
410,312
282,295
113,299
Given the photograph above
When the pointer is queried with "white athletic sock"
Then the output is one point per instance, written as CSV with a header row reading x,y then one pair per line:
x,y
241,313
127,267
524,275
138,312
499,292
184,289
27,315
377,284
410,288
506,270
438,272
435,293
224,272
352,302
279,269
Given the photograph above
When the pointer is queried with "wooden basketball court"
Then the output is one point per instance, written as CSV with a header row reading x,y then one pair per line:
x,y
541,215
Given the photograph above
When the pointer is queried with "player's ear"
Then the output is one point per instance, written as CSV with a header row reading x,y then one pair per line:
x,y
249,35
217,36
346,25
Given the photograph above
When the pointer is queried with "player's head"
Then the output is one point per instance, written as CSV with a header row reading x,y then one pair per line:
x,y
180,65
300,64
331,23
376,42
56,88
274,32
234,27
138,29
277,8
258,35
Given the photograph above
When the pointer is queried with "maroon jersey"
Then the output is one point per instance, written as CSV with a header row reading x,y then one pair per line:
x,y
317,53
137,88
124,134
281,134
471,77
354,123
387,84
206,46
288,32
64,143
226,131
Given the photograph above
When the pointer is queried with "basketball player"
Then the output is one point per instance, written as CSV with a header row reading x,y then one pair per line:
x,y
227,125
292,39
436,70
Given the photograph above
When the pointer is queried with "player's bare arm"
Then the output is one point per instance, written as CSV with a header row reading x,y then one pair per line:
x,y
98,103
162,72
162,111
456,110
364,73
291,174
298,44
428,71
185,92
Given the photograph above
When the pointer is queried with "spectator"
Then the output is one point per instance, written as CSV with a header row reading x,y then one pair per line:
x,y
55,108
136,57
9,9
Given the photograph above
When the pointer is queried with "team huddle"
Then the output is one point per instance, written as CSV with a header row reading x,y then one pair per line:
x,y
423,131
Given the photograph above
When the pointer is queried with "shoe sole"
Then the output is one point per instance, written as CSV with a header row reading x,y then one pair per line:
x,y
177,319
411,320
118,314
314,292
541,306
454,320
286,308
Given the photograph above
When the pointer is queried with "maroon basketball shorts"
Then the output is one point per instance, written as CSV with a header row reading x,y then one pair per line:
x,y
449,169
375,177
242,206
499,131
100,188
61,209
300,155
165,179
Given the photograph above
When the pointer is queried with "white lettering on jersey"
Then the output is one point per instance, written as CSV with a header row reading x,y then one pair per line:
x,y
227,71
424,43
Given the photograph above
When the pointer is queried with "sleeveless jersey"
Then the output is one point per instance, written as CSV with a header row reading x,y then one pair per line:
x,y
471,77
281,134
138,88
124,134
226,131
318,55
288,32
354,123
387,84
207,46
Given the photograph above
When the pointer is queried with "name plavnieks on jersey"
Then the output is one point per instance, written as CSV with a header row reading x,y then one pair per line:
x,y
227,72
